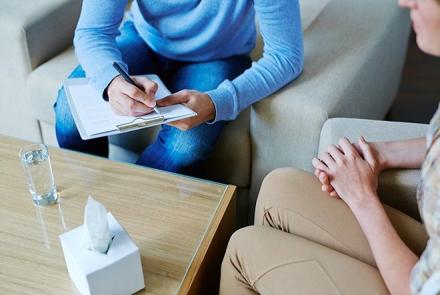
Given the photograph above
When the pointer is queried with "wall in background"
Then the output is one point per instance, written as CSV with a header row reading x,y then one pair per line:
x,y
419,92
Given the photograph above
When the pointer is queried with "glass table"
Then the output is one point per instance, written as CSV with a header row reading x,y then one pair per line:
x,y
180,224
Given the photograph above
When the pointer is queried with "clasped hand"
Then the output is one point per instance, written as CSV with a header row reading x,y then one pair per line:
x,y
128,100
349,171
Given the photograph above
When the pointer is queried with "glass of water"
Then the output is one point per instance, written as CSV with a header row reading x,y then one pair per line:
x,y
36,164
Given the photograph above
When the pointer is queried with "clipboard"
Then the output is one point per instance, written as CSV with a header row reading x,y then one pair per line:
x,y
94,118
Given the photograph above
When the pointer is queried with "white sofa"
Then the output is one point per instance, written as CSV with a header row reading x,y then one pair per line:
x,y
354,51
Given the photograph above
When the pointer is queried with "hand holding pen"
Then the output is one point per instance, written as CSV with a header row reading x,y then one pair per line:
x,y
132,96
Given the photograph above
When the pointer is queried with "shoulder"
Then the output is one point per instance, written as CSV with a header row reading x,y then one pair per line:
x,y
432,285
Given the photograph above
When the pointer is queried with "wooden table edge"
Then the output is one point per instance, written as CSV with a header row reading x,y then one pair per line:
x,y
227,201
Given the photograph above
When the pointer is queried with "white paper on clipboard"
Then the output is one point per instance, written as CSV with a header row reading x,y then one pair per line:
x,y
94,117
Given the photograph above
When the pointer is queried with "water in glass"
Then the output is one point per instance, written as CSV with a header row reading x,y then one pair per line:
x,y
36,163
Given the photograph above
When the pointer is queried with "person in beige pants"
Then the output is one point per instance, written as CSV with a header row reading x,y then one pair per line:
x,y
304,242
328,233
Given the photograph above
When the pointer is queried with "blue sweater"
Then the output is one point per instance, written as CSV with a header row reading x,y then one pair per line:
x,y
199,30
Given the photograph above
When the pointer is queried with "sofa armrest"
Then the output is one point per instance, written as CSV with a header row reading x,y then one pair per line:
x,y
397,187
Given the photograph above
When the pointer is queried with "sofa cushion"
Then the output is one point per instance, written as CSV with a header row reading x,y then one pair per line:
x,y
310,9
48,25
44,82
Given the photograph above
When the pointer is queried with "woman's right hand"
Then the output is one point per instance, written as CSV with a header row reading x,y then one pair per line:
x,y
128,100
379,151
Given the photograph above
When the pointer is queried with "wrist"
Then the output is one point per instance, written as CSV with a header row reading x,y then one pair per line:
x,y
385,155
212,111
212,108
365,205
106,90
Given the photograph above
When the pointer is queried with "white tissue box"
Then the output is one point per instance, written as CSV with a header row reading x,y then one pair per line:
x,y
117,272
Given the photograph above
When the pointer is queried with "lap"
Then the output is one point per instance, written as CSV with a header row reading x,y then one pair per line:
x,y
205,76
182,151
267,261
292,201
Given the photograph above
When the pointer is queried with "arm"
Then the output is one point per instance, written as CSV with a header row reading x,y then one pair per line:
x,y
401,154
345,166
394,259
96,49
95,44
282,61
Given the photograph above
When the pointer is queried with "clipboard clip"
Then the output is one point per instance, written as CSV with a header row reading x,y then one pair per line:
x,y
141,122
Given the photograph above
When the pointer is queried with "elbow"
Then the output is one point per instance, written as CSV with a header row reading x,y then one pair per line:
x,y
295,62
78,37
290,62
288,66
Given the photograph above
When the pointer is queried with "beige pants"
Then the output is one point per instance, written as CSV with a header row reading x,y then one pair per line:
x,y
305,242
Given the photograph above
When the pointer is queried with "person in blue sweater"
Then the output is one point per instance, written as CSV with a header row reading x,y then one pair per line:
x,y
200,49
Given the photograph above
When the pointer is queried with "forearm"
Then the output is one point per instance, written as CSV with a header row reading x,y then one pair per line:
x,y
393,258
403,154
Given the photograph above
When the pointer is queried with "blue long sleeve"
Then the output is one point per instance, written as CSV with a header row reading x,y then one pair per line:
x,y
95,40
206,30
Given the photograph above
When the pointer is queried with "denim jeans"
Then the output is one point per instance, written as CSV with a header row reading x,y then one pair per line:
x,y
173,150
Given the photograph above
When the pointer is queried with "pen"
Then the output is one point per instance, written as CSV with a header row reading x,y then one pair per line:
x,y
129,80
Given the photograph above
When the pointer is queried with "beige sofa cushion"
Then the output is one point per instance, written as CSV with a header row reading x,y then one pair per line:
x,y
44,82
397,187
41,22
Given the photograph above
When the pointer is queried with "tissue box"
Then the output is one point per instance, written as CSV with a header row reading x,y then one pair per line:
x,y
117,272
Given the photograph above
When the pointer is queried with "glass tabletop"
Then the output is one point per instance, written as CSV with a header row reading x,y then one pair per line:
x,y
166,215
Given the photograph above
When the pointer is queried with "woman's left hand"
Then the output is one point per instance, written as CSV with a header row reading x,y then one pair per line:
x,y
352,176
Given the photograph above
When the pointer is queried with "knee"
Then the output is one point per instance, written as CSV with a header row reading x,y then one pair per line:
x,y
67,135
187,150
65,127
279,185
237,242
238,253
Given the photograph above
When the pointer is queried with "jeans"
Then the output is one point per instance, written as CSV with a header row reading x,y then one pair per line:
x,y
173,150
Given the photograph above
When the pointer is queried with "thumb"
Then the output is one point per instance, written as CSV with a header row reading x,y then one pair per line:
x,y
173,99
366,151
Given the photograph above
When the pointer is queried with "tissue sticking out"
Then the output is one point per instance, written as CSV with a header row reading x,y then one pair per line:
x,y
96,226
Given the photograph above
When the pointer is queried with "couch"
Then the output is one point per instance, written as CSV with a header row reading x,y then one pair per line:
x,y
354,53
